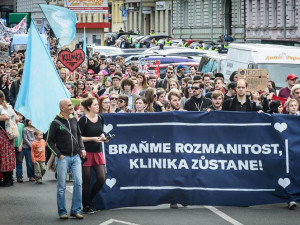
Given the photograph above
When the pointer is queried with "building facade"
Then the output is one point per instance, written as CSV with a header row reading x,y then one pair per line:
x,y
272,19
208,19
31,6
6,7
96,24
155,15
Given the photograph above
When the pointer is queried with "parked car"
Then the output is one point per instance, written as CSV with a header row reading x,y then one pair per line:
x,y
168,59
107,50
182,51
187,65
151,50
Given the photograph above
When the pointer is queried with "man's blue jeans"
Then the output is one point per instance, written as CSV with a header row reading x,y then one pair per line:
x,y
29,165
63,166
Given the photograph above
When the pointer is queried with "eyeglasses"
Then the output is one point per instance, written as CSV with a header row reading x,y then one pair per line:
x,y
80,83
195,88
114,98
121,101
89,73
188,87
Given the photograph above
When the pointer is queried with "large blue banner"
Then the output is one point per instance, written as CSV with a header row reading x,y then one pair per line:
x,y
192,158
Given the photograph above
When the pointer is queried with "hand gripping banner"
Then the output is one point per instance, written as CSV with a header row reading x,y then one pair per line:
x,y
192,158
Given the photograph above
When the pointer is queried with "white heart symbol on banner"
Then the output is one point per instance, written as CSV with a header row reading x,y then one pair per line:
x,y
284,182
280,126
110,182
108,128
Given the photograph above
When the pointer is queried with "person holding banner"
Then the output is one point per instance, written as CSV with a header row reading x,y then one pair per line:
x,y
174,98
197,102
217,98
240,102
91,126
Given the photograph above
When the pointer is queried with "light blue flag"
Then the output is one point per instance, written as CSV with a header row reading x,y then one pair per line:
x,y
84,44
41,88
62,21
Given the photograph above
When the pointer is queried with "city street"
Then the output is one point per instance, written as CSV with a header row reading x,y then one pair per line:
x,y
30,203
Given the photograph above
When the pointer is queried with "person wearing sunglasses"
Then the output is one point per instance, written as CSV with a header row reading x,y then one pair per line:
x,y
197,102
80,88
113,102
122,104
164,82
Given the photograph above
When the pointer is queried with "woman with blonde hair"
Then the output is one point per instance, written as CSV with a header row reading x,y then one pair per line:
x,y
172,84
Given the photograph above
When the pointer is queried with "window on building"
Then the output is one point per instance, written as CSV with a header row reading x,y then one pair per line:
x,y
266,13
292,13
185,13
274,13
97,39
258,14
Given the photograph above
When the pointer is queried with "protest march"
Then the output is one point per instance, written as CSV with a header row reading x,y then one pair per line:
x,y
131,132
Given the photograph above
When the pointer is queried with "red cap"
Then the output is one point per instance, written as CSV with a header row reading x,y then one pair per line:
x,y
291,77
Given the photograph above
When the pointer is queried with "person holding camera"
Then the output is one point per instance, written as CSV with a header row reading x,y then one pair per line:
x,y
91,126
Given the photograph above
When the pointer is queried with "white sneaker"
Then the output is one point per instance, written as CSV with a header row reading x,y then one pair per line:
x,y
292,205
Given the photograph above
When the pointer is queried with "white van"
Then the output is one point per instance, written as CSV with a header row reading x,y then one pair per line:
x,y
278,60
212,62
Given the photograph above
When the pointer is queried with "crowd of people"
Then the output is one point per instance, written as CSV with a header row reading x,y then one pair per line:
x,y
106,86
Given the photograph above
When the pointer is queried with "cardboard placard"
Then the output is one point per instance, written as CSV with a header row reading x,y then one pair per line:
x,y
71,60
257,79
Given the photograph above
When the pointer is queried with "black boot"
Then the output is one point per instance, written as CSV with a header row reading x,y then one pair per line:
x,y
6,181
11,179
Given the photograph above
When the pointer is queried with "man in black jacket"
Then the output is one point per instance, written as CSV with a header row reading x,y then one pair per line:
x,y
64,140
240,102
197,102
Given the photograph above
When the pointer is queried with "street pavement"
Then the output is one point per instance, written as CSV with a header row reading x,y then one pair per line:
x,y
35,204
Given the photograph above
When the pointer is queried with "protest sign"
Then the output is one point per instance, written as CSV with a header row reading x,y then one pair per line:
x,y
71,60
150,67
87,6
3,57
257,79
6,33
192,158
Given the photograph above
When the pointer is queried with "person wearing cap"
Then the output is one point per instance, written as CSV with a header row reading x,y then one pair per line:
x,y
184,43
201,46
116,88
180,73
90,73
102,60
213,47
286,91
